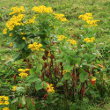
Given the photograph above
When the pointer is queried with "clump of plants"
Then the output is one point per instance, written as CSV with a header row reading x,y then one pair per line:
x,y
55,70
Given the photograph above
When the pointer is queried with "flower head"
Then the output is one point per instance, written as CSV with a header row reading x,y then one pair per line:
x,y
35,47
10,34
23,38
50,88
88,17
61,37
11,44
72,41
32,20
23,75
5,108
93,80
42,9
60,17
5,31
17,10
23,70
14,88
65,71
4,100
88,40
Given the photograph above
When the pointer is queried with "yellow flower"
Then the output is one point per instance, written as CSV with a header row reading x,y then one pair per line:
x,y
5,31
23,75
23,70
50,88
35,46
72,41
27,69
61,37
88,40
92,22
10,34
32,20
6,103
5,108
93,78
17,10
11,44
20,70
65,71
22,33
4,100
23,38
60,17
1,103
49,54
14,88
86,16
42,9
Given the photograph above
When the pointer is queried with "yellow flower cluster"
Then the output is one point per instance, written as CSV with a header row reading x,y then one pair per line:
x,y
4,100
60,17
23,72
14,88
88,17
88,40
61,37
42,9
92,22
5,31
32,20
17,10
5,108
35,46
16,20
72,41
50,88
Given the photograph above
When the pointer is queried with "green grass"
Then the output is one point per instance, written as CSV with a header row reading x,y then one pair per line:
x,y
72,9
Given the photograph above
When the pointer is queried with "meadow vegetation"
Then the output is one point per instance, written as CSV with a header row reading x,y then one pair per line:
x,y
54,55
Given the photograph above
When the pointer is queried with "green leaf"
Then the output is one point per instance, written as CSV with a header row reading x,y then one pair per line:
x,y
23,100
32,78
83,76
66,76
38,84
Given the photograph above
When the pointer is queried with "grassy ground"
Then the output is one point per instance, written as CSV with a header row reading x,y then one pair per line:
x,y
72,9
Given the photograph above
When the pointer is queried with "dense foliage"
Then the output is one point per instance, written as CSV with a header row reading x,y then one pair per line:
x,y
51,69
